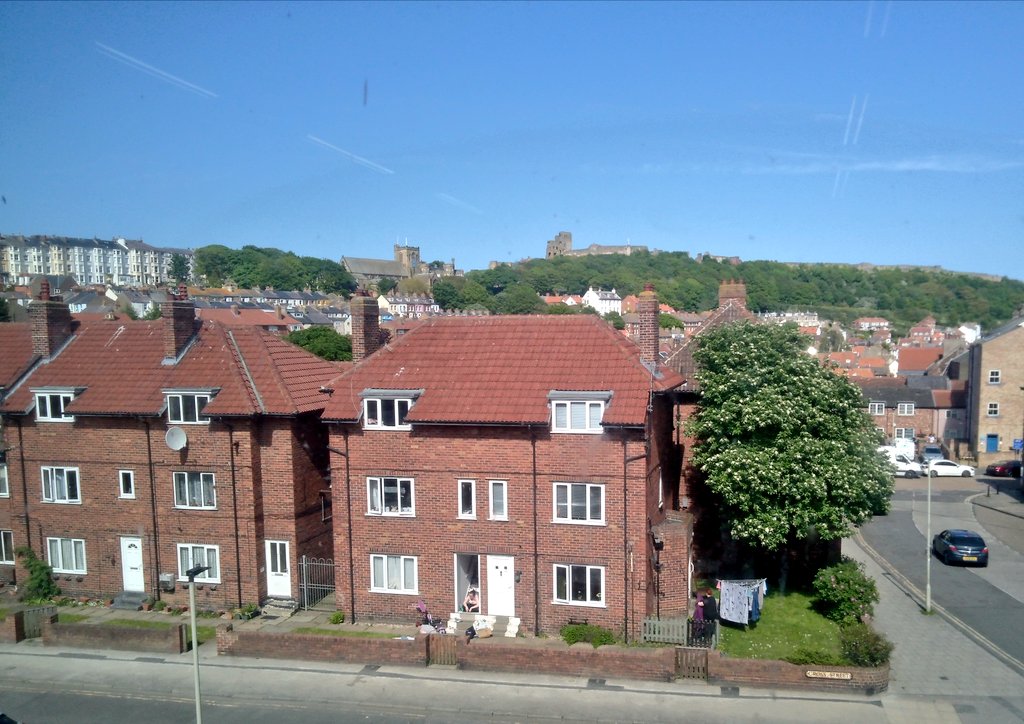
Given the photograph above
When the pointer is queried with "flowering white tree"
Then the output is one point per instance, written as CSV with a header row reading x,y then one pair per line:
x,y
785,443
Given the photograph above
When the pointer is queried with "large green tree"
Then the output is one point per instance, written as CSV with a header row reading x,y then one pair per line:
x,y
785,443
323,342
179,268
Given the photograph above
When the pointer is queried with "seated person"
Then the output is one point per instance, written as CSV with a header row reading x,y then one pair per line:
x,y
471,604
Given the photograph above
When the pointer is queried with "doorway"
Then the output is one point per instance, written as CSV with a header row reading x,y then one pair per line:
x,y
279,581
467,575
131,564
501,586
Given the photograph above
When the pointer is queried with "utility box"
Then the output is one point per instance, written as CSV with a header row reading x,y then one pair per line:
x,y
167,582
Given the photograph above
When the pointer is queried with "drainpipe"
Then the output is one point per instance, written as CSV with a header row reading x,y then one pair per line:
x,y
234,509
24,485
348,515
152,504
536,552
625,535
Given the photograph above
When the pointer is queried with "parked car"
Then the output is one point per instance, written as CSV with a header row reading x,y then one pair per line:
x,y
902,465
948,468
963,546
931,452
1004,469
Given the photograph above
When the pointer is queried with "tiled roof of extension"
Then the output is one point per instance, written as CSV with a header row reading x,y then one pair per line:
x,y
500,370
119,367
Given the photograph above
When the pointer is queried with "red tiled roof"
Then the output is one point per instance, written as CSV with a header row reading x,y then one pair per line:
x,y
120,369
501,369
918,359
16,343
247,317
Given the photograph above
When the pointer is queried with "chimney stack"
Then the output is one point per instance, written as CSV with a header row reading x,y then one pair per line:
x,y
648,309
179,318
365,313
51,322
734,289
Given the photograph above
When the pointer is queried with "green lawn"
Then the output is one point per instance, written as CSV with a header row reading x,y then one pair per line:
x,y
341,632
205,633
787,623
63,617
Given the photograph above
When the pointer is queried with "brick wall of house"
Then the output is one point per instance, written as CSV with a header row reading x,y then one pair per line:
x,y
436,458
101,447
1001,353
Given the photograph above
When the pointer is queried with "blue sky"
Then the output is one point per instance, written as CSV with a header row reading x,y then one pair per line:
x,y
883,132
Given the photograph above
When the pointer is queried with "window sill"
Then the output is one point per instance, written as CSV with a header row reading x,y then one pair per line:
x,y
467,517
559,521
390,515
576,432
583,604
194,507
183,422
63,502
499,520
394,592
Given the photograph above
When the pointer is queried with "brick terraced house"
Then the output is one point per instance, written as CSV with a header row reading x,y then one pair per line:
x,y
136,450
529,457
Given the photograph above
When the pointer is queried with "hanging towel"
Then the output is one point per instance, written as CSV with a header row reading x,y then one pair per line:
x,y
755,605
733,606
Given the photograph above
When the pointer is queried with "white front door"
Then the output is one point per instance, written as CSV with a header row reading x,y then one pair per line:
x,y
279,581
131,564
501,586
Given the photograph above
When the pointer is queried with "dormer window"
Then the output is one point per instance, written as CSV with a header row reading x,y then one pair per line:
x,y
186,408
577,411
50,405
388,409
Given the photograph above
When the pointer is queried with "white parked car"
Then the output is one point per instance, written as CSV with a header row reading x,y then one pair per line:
x,y
944,468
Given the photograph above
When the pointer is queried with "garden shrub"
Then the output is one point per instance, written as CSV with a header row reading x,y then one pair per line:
x,y
844,593
337,617
863,646
819,657
40,585
596,635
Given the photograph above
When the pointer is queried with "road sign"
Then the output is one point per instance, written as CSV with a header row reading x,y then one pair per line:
x,y
1018,444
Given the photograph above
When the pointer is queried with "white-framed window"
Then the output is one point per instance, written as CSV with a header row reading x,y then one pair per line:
x,y
995,377
576,415
195,490
6,546
579,503
579,585
191,555
876,408
393,574
905,408
901,433
66,555
186,408
993,409
50,406
386,413
467,499
390,496
5,486
60,485
126,483
499,500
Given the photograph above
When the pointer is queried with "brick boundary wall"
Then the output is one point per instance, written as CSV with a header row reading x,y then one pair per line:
x,y
310,647
766,674
82,635
12,628
581,659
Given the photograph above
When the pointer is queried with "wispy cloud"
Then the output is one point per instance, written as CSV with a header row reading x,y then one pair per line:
x,y
155,72
936,164
459,203
351,156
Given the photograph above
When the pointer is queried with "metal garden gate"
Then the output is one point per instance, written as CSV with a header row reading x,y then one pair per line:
x,y
316,580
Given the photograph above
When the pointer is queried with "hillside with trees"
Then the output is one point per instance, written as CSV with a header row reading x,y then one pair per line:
x,y
253,267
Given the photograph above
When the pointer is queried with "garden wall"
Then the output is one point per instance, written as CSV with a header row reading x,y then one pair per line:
x,y
98,636
767,674
12,628
310,647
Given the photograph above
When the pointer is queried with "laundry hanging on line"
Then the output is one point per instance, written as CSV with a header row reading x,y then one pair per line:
x,y
742,600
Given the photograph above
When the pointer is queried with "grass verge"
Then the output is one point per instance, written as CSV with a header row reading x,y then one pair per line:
x,y
788,623
63,617
349,634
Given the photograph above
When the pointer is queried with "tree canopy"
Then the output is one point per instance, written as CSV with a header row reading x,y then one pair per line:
x,y
324,342
256,268
784,442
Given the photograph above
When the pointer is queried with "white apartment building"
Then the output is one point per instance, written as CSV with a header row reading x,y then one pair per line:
x,y
120,262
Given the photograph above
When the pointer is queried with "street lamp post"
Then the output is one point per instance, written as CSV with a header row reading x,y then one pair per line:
x,y
192,573
928,547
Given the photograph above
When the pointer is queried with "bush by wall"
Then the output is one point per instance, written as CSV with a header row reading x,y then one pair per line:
x,y
862,646
844,592
596,635
40,585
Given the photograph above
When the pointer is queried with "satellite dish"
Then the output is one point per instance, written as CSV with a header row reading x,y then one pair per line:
x,y
175,438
